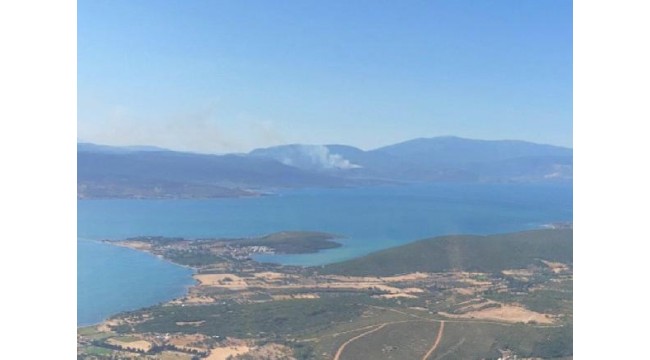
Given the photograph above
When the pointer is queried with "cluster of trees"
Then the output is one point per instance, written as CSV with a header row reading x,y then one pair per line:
x,y
192,257
269,319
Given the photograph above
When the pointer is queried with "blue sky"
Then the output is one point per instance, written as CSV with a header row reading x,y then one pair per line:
x,y
223,76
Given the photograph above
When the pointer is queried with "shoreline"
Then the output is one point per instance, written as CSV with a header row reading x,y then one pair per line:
x,y
194,270
240,301
83,198
112,243
196,283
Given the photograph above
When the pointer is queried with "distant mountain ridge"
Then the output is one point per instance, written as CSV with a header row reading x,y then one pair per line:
x,y
185,175
453,150
152,172
434,159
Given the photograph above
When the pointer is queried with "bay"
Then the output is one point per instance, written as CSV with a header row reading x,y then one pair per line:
x,y
112,279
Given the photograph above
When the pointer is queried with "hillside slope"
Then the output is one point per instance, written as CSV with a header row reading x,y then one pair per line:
x,y
491,253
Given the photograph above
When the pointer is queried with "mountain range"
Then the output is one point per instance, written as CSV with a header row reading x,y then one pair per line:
x,y
152,172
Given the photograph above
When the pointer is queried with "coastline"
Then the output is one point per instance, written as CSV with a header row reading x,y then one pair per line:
x,y
239,301
248,194
195,270
186,288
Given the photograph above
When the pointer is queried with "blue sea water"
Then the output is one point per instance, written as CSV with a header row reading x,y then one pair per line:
x,y
113,279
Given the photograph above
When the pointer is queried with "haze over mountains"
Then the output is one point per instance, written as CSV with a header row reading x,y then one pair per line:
x,y
150,172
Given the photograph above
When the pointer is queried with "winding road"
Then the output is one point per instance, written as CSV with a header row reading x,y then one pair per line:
x,y
441,329
340,350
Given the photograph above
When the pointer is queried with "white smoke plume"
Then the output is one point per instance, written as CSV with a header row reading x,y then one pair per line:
x,y
317,156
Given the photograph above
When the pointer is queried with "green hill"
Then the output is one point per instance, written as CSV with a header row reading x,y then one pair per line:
x,y
491,253
292,242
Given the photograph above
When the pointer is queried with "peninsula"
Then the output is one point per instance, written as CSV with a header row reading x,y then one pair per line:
x,y
459,296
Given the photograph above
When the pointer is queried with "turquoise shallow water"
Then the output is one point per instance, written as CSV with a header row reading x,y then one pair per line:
x,y
112,279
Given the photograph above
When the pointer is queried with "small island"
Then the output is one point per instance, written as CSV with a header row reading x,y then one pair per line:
x,y
463,296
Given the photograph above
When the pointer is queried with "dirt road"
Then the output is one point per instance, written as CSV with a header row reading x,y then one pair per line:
x,y
435,343
340,350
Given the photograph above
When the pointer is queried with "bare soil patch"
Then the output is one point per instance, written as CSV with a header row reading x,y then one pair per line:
x,y
189,323
138,245
505,313
406,277
199,300
228,281
522,274
556,267
142,345
189,342
223,352
174,355
464,291
295,296
400,295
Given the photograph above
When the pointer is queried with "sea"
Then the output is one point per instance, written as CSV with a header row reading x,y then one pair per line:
x,y
112,279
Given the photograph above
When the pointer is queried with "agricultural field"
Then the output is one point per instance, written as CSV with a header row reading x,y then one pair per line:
x,y
245,310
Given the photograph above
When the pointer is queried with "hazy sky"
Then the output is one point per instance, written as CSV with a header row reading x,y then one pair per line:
x,y
221,76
